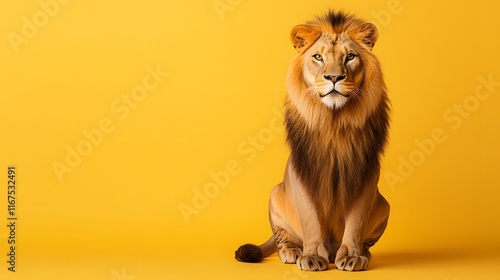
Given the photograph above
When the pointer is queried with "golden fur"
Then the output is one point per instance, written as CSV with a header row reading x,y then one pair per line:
x,y
328,208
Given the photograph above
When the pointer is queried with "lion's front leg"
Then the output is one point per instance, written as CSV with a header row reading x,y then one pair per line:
x,y
314,254
350,258
364,226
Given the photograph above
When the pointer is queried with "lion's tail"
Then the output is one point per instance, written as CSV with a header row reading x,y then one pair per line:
x,y
253,253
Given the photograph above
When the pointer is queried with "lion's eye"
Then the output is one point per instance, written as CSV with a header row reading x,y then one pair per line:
x,y
350,56
318,57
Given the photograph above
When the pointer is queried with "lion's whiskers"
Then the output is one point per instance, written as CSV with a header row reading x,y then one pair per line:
x,y
312,90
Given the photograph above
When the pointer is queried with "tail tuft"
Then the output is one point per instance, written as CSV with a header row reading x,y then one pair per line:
x,y
249,253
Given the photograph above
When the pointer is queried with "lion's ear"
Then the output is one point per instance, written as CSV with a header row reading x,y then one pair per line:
x,y
367,34
303,36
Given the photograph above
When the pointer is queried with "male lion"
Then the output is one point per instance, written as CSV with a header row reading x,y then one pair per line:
x,y
328,207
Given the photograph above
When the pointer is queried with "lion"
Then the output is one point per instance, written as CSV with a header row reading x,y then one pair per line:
x,y
328,209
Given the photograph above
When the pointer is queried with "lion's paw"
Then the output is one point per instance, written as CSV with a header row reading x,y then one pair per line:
x,y
351,262
289,254
312,263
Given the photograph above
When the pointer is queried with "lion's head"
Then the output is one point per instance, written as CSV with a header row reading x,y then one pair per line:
x,y
335,69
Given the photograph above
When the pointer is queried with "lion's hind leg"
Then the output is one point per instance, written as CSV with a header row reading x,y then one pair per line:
x,y
288,251
283,226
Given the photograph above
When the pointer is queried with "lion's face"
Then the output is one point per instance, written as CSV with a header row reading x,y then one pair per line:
x,y
333,70
333,63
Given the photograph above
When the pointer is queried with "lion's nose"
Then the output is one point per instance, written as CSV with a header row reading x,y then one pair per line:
x,y
334,78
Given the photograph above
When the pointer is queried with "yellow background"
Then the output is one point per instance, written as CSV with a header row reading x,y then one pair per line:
x,y
116,215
